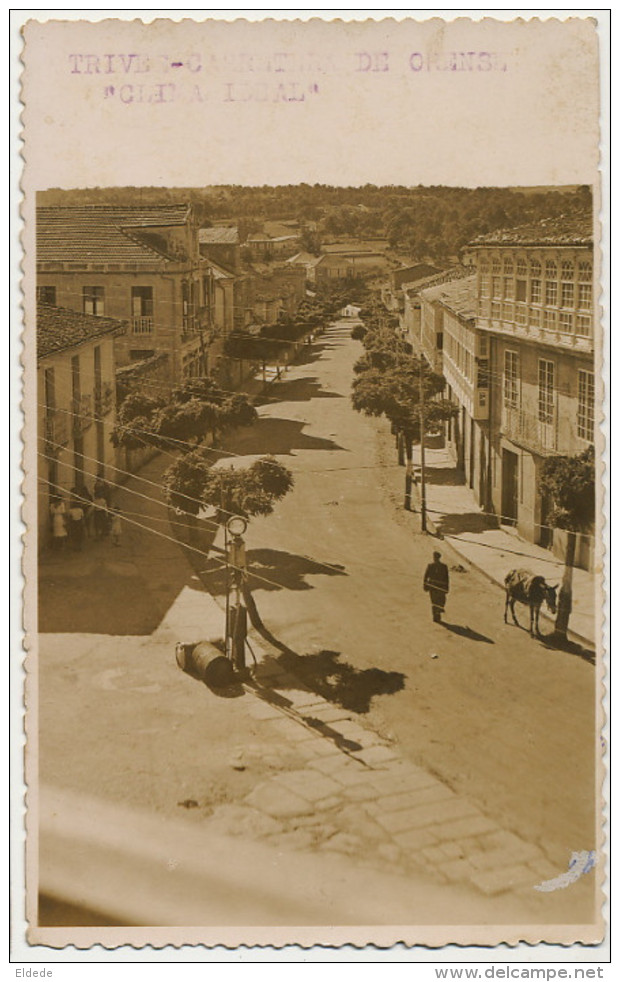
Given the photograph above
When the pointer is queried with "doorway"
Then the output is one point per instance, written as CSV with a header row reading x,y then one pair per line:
x,y
510,487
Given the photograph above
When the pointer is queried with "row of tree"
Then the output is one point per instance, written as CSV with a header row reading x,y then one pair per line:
x,y
181,424
391,381
272,341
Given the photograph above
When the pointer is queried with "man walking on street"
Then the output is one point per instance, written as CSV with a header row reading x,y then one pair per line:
x,y
437,583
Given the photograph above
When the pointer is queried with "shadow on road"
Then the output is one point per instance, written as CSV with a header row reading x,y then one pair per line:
x,y
467,632
273,435
471,521
445,475
339,682
298,390
270,569
555,643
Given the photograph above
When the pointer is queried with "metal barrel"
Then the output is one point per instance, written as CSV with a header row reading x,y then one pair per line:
x,y
204,662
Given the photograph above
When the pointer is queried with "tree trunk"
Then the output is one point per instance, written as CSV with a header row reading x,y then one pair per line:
x,y
264,372
565,596
400,443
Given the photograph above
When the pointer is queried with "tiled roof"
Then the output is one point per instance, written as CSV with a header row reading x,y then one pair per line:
x,y
565,230
409,274
303,259
59,328
219,236
459,296
104,233
454,273
332,260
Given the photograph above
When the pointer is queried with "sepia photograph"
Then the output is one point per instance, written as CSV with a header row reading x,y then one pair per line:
x,y
313,343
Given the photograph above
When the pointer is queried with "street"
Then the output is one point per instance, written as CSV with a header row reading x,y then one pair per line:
x,y
336,572
495,714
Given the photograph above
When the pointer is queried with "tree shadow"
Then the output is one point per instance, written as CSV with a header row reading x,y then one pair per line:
x,y
555,642
467,632
273,435
339,682
270,569
298,390
472,521
445,475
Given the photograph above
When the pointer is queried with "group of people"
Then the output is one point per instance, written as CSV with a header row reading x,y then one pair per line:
x,y
84,516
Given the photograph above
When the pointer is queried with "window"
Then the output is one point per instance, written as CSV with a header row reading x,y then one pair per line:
x,y
484,286
568,294
546,394
508,266
46,294
484,265
551,320
521,314
568,270
551,293
496,266
551,270
584,272
92,300
521,290
536,291
511,379
496,311
508,311
142,309
497,287
585,408
521,267
483,373
584,326
509,288
535,317
535,269
584,296
566,322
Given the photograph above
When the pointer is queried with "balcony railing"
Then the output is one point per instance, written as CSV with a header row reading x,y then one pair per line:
x,y
527,430
142,325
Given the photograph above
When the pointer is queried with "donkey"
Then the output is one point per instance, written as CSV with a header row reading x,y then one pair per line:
x,y
531,590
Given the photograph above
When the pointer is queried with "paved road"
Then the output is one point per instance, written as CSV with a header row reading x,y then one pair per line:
x,y
492,712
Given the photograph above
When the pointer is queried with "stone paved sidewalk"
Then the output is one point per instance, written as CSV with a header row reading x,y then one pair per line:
x,y
357,796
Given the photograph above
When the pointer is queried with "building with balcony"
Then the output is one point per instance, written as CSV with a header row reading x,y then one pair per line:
x,y
534,291
76,397
135,263
465,366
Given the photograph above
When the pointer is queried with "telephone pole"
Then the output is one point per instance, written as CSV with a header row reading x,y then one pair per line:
x,y
422,449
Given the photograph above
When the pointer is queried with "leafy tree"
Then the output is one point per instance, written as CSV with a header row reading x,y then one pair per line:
x,y
195,408
569,485
191,482
135,421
